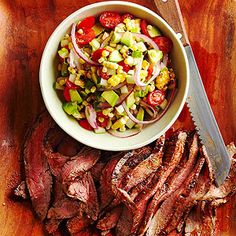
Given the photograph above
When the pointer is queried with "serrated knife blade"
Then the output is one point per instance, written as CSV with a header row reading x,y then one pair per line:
x,y
197,100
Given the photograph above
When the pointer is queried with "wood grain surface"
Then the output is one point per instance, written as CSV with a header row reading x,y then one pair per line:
x,y
25,28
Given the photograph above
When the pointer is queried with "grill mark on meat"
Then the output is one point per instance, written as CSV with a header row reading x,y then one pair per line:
x,y
174,182
159,179
129,161
147,166
185,204
78,223
80,163
84,190
124,223
167,209
110,220
22,191
38,177
105,190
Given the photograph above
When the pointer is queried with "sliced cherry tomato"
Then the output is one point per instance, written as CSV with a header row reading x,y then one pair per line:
x,y
143,25
84,123
127,15
150,71
84,38
126,67
155,98
164,43
109,19
98,53
71,85
67,94
87,22
102,124
103,74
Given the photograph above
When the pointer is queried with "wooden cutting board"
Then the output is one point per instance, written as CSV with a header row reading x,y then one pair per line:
x,y
25,28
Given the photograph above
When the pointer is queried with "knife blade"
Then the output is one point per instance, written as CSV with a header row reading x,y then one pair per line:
x,y
197,100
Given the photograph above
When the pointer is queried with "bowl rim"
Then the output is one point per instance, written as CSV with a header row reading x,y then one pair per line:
x,y
110,3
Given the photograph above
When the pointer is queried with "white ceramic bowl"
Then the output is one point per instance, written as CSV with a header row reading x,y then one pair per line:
x,y
48,72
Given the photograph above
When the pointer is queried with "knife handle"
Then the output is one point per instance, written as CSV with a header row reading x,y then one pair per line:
x,y
170,11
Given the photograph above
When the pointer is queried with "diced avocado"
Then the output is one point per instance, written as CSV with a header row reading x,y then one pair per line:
x,y
153,31
155,55
137,54
115,56
130,124
133,25
95,44
130,79
116,37
141,47
140,114
70,108
141,93
111,97
120,28
164,104
64,69
99,130
130,100
75,96
127,39
98,29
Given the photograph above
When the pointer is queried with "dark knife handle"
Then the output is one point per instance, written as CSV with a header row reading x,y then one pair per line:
x,y
170,11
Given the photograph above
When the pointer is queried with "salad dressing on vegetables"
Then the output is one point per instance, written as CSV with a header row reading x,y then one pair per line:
x,y
115,73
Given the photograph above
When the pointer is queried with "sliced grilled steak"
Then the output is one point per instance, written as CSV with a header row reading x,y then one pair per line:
x,y
173,183
110,220
219,195
84,190
52,225
167,209
105,190
201,221
124,224
147,166
80,163
38,176
78,223
21,191
129,161
177,147
97,169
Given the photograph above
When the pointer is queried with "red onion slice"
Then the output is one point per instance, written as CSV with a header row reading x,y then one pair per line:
x,y
91,116
138,82
145,105
125,134
78,50
147,40
125,95
158,117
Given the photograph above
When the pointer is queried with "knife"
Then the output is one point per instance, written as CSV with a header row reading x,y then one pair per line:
x,y
197,100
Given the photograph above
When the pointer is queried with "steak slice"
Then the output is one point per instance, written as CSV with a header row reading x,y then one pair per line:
x,y
177,147
173,183
97,169
80,163
167,209
78,223
105,190
124,224
84,190
21,191
38,176
110,220
147,166
52,225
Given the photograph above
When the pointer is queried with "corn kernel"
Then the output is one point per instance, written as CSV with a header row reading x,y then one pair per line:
x,y
89,76
70,45
62,82
105,112
82,72
105,35
129,61
101,119
122,128
104,69
87,91
93,89
80,82
101,60
137,100
110,115
85,103
71,70
81,61
105,53
133,107
109,48
145,64
151,88
113,45
124,49
149,27
80,31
